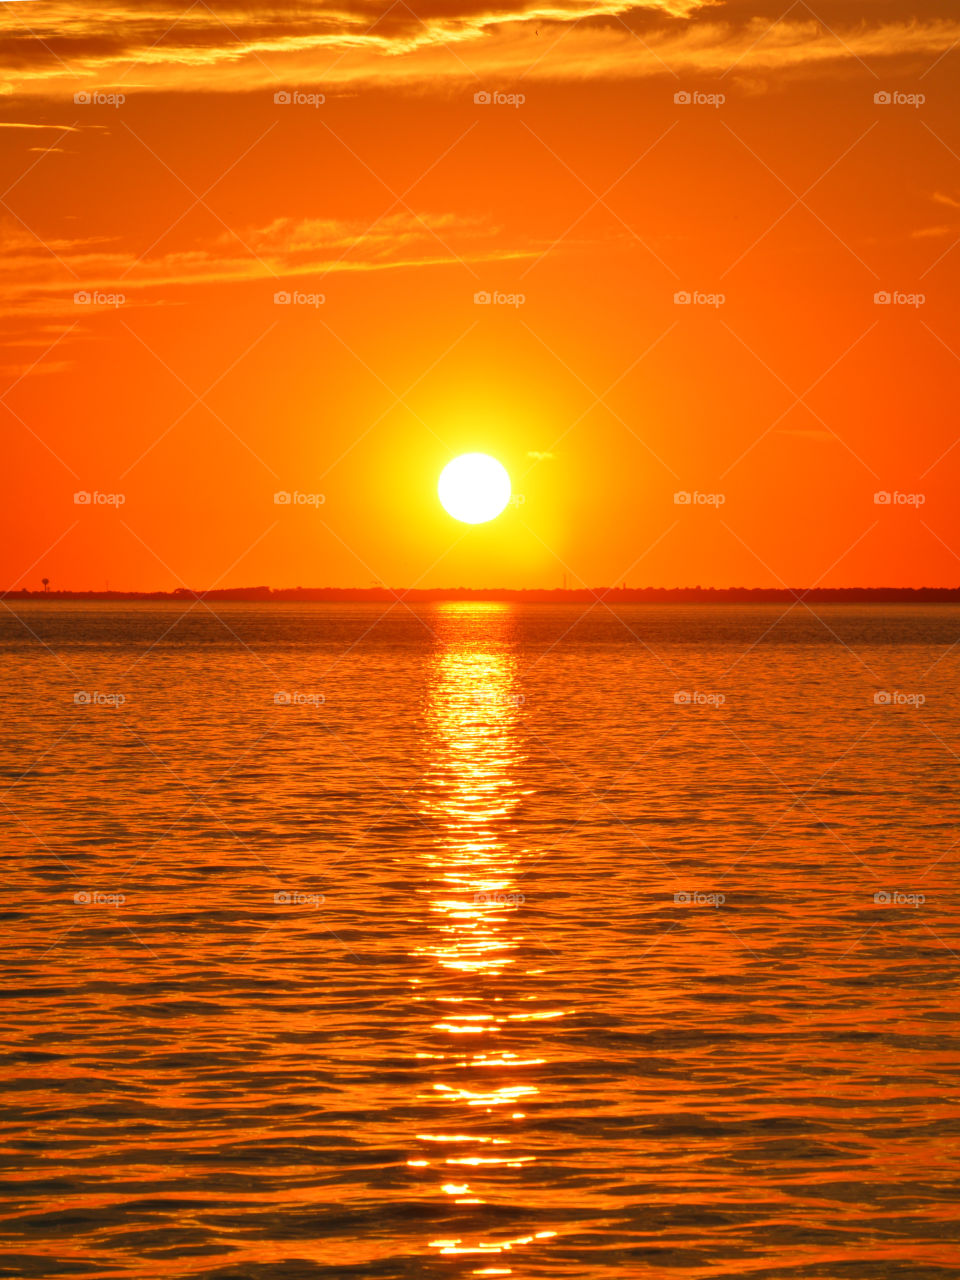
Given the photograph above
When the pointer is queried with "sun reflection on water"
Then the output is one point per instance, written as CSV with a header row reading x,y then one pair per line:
x,y
473,790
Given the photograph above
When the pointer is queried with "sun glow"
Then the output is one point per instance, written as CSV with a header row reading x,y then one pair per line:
x,y
474,488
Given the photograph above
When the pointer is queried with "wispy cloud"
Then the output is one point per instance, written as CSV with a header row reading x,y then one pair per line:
x,y
939,229
40,277
54,49
20,124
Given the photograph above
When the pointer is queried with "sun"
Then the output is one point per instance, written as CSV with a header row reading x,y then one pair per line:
x,y
474,488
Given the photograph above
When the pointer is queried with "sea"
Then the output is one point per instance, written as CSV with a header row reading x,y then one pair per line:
x,y
479,939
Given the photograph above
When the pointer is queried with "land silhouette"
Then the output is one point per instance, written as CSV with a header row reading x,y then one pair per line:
x,y
524,595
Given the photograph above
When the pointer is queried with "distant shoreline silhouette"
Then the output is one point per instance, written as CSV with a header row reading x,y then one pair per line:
x,y
576,595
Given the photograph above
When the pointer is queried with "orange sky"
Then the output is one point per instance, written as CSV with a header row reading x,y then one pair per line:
x,y
597,198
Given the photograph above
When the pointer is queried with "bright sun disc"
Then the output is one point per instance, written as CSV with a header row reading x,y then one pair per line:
x,y
474,488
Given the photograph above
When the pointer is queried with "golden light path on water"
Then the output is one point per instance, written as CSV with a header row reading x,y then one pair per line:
x,y
472,791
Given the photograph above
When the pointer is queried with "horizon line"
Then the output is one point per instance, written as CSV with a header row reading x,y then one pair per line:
x,y
380,592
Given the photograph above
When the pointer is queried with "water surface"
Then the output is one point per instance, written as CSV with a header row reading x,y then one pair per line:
x,y
479,940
